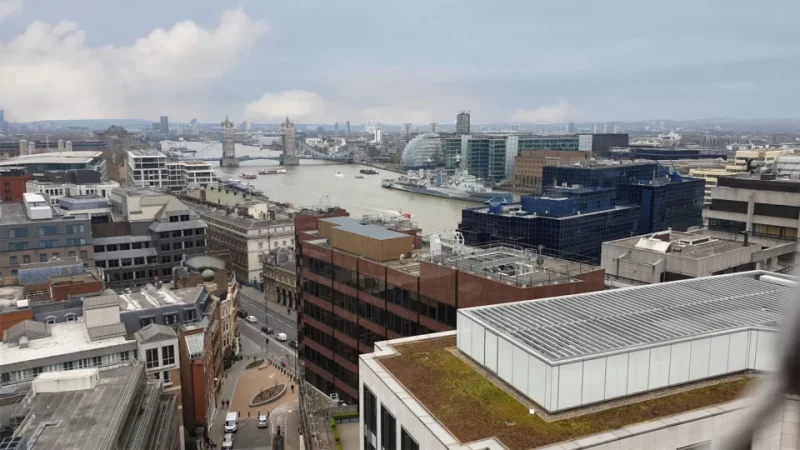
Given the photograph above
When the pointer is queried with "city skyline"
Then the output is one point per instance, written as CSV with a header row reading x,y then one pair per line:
x,y
261,63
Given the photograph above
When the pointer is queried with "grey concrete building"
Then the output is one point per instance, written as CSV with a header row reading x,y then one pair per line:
x,y
672,255
765,207
32,231
152,232
280,277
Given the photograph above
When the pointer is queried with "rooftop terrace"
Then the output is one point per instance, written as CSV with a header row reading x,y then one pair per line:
x,y
687,245
474,406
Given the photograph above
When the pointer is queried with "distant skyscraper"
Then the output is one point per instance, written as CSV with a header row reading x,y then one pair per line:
x,y
195,127
434,127
378,134
594,128
3,123
165,124
336,126
289,144
605,128
571,128
614,128
347,127
407,128
180,129
462,122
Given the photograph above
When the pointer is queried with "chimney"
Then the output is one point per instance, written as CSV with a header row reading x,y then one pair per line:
x,y
746,238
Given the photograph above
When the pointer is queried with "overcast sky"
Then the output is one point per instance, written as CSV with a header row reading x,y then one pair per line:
x,y
525,61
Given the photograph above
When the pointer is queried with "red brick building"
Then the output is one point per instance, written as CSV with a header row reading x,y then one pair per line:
x,y
12,183
349,301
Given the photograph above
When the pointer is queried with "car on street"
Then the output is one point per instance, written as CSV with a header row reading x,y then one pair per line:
x,y
251,319
242,313
267,329
282,337
227,441
263,421
293,343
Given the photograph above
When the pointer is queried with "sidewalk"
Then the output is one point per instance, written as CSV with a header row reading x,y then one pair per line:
x,y
274,307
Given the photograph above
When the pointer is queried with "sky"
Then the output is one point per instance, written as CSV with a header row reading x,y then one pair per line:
x,y
420,61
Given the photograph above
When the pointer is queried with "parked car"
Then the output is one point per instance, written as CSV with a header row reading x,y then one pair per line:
x,y
282,337
251,319
267,329
293,343
242,313
231,422
263,421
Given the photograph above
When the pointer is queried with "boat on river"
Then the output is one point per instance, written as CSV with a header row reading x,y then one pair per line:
x,y
459,186
272,171
248,176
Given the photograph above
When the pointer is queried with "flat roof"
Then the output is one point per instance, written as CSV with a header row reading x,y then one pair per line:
x,y
14,213
146,299
87,418
683,245
146,152
356,226
583,325
74,157
65,339
459,400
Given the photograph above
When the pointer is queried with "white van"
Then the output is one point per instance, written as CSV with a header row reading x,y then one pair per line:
x,y
231,422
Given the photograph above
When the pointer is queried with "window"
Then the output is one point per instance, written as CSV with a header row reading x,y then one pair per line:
x,y
13,261
167,379
5,377
124,356
100,263
136,245
50,320
84,254
71,254
17,246
15,273
163,235
173,218
388,430
168,355
190,315
138,261
124,246
75,229
48,230
199,231
111,247
17,232
76,242
97,361
26,259
69,317
188,244
177,245
199,243
406,441
151,356
170,319
37,371
43,257
113,263
69,365
164,247
48,243
188,232
370,420
126,262
145,321
184,218
176,233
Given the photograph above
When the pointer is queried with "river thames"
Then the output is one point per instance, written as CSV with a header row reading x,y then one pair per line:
x,y
314,183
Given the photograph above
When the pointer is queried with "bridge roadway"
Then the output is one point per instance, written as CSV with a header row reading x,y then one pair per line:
x,y
278,158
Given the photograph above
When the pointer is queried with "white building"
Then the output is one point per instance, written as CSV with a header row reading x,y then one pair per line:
x,y
150,168
71,185
605,370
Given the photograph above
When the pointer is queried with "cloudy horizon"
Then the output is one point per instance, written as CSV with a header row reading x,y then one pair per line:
x,y
419,62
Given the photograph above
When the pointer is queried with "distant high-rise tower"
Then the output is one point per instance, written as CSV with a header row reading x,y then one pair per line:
x,y
605,128
407,127
3,123
336,126
289,157
180,129
195,127
614,128
229,144
165,124
347,127
571,128
462,122
594,128
434,127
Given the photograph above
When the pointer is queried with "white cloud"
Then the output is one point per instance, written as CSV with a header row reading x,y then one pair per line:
x,y
561,112
50,72
8,7
298,105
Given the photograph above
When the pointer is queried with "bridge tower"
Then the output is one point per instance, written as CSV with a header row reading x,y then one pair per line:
x,y
229,144
289,157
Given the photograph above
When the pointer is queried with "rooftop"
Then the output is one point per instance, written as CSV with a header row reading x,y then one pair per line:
x,y
65,339
146,152
356,226
583,325
150,297
74,157
681,244
229,216
452,389
14,213
87,418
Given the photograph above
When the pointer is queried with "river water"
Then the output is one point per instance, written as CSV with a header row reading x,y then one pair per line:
x,y
313,183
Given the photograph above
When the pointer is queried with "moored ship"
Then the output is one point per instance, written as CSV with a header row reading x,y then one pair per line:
x,y
459,186
248,176
272,171
369,171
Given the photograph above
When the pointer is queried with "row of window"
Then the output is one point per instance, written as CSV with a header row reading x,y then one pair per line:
x,y
121,247
331,343
353,330
179,218
136,274
388,427
189,315
328,365
97,361
182,233
167,356
45,243
181,245
26,259
49,230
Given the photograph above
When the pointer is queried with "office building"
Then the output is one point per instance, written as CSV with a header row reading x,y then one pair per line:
x,y
152,232
462,123
73,183
102,410
434,127
710,176
12,181
600,144
244,235
3,123
368,280
529,165
150,168
34,232
675,255
347,127
570,223
750,160
487,156
164,125
571,128
666,153
195,127
652,367
38,164
765,207
423,151
667,200
408,128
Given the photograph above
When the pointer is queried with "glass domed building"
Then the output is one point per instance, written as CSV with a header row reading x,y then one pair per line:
x,y
425,150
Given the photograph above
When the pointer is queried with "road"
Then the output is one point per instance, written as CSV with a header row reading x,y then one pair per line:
x,y
256,305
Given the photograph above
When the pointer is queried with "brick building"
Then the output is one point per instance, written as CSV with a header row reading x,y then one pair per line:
x,y
12,182
362,283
